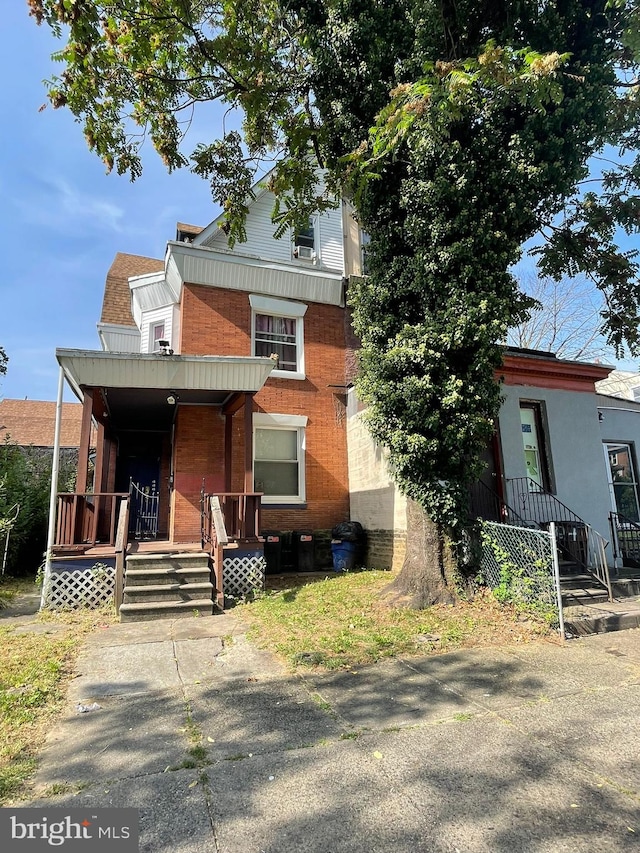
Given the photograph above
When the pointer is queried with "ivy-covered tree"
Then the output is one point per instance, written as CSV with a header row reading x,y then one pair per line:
x,y
461,130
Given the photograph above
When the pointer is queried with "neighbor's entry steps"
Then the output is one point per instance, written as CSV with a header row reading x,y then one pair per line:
x,y
587,609
166,586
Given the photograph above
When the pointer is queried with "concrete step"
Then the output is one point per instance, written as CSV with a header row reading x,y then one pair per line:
x,y
578,597
581,625
167,575
625,587
187,560
168,592
165,610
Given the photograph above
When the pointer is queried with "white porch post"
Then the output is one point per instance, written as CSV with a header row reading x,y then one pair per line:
x,y
53,494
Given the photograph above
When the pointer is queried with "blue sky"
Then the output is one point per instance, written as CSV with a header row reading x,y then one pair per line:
x,y
63,219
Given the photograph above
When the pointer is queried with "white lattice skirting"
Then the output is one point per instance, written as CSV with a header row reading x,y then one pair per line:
x,y
71,590
243,575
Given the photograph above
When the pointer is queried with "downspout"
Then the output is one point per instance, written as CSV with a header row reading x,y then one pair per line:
x,y
55,467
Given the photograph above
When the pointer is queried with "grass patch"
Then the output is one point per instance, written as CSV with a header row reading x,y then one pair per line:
x,y
34,669
340,622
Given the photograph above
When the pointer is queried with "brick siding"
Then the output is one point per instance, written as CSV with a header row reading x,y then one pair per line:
x,y
218,322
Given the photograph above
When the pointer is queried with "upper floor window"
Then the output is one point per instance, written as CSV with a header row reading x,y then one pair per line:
x,y
277,327
156,334
304,242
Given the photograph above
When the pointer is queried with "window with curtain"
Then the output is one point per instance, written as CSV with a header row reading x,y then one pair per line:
x,y
277,335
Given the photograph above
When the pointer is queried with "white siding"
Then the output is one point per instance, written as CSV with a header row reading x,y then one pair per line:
x,y
115,338
331,249
260,228
262,243
149,319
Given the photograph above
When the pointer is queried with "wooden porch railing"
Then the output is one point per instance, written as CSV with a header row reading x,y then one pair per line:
x,y
122,530
87,519
240,513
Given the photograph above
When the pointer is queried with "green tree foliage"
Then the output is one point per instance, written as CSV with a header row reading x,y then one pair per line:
x,y
4,359
461,129
25,478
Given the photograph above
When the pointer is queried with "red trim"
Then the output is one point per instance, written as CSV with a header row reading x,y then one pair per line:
x,y
552,373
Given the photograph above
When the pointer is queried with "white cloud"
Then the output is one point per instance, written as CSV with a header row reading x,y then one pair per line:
x,y
63,207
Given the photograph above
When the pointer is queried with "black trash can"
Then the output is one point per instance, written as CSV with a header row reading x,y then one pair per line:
x,y
273,551
352,535
303,550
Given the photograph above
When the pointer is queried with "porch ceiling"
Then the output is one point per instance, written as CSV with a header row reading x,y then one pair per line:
x,y
136,386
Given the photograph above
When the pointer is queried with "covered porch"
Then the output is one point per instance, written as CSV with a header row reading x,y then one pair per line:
x,y
169,431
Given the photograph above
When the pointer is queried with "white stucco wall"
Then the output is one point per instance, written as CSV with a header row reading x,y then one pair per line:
x,y
375,501
574,442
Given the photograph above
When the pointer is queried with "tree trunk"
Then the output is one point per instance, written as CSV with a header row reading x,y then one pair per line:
x,y
428,573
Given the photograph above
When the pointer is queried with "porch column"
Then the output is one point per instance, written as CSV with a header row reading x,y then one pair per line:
x,y
85,442
248,442
101,455
53,494
228,450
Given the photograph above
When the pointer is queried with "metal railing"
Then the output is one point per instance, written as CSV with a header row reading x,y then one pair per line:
x,y
625,539
241,512
87,519
487,505
145,505
577,541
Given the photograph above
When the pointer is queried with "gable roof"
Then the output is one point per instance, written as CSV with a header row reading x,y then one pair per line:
x,y
32,423
116,303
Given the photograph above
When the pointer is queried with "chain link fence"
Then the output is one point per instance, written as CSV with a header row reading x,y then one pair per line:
x,y
517,564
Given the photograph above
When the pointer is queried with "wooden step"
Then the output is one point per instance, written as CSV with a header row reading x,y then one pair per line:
x,y
168,592
186,560
157,576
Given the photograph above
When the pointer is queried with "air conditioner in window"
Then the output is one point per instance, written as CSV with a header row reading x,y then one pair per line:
x,y
305,253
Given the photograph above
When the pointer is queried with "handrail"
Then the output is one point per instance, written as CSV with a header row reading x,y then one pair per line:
x,y
483,498
625,537
582,544
121,547
597,559
240,512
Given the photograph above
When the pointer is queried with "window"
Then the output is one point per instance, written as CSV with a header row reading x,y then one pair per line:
x,y
535,446
304,242
156,334
278,451
623,483
277,328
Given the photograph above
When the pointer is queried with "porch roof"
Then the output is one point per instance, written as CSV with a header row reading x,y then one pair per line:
x,y
135,385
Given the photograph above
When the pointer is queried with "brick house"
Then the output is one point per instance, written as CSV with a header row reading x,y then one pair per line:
x,y
31,423
221,374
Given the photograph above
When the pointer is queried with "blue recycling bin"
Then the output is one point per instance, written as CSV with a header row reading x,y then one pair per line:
x,y
344,555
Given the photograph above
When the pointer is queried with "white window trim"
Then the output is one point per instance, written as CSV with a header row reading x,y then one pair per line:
x,y
281,308
315,256
261,420
152,334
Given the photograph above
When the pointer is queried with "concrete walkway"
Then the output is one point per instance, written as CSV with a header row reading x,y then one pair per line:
x,y
533,748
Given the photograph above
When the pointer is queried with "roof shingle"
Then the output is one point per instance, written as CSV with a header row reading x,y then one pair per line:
x,y
32,423
116,304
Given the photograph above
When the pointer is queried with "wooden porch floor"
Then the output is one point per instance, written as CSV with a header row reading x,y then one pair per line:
x,y
157,546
